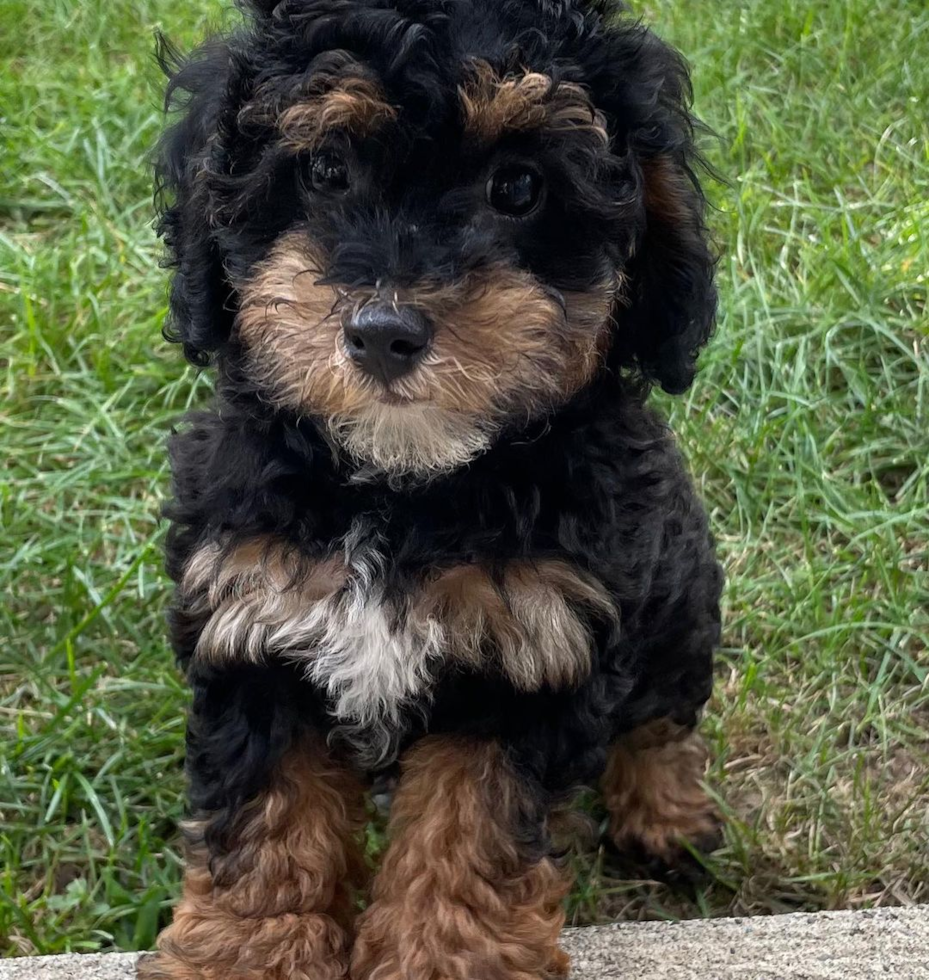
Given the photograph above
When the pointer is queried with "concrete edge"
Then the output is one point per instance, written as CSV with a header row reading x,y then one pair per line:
x,y
880,944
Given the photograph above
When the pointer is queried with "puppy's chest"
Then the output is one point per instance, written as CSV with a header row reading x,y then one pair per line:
x,y
376,648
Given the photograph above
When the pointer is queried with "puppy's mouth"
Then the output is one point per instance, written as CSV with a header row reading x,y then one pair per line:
x,y
408,443
395,400
408,437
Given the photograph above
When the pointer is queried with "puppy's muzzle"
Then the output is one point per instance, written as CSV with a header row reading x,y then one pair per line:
x,y
387,342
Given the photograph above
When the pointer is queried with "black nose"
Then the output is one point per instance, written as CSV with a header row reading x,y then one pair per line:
x,y
385,341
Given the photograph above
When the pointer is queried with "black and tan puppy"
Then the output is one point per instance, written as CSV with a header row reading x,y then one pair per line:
x,y
437,251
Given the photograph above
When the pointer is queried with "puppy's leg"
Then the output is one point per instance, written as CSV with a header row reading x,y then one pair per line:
x,y
463,893
268,892
653,790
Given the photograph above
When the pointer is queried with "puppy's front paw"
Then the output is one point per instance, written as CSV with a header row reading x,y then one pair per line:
x,y
665,842
660,811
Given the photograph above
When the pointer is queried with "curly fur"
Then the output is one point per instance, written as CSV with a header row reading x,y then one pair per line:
x,y
500,555
457,897
282,906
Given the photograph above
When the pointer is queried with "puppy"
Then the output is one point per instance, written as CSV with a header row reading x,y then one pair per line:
x,y
437,252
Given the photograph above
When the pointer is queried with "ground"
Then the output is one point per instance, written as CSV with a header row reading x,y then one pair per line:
x,y
808,432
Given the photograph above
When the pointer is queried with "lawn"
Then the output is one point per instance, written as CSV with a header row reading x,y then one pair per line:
x,y
808,432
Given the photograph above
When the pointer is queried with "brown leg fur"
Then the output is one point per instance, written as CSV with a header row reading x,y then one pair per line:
x,y
456,898
652,788
279,906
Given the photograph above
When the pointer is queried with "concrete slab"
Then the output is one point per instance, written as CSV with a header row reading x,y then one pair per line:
x,y
884,944
79,966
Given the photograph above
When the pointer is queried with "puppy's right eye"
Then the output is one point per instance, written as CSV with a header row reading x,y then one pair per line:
x,y
328,172
514,191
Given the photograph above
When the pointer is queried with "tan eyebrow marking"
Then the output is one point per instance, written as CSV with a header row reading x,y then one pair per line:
x,y
493,105
356,105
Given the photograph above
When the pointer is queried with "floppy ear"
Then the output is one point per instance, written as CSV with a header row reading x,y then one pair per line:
x,y
200,310
668,310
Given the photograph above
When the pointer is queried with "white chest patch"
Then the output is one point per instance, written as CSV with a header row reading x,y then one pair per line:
x,y
377,659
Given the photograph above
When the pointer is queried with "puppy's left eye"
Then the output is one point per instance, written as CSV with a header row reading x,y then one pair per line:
x,y
514,191
329,172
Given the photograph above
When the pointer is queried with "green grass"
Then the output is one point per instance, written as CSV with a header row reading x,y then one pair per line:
x,y
808,432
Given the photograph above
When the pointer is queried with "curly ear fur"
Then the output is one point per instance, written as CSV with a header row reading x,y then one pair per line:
x,y
200,316
668,311
671,292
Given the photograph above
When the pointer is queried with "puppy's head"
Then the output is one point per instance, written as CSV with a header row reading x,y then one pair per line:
x,y
424,223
